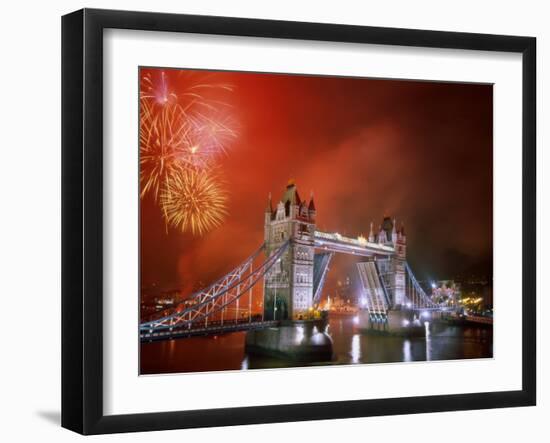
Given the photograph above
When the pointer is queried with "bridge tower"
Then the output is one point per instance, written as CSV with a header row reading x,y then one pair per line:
x,y
288,287
392,269
398,265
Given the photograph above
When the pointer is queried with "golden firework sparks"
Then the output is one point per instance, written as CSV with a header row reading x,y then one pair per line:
x,y
163,139
182,130
194,201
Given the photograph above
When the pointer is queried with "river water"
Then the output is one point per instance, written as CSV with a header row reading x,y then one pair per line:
x,y
226,352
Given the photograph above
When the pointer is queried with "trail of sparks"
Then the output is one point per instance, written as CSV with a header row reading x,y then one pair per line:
x,y
194,201
157,90
182,135
163,137
208,138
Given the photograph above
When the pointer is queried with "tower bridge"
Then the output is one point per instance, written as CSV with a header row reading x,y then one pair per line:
x,y
296,258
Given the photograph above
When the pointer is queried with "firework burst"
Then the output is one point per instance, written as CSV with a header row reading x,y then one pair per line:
x,y
180,130
163,139
193,97
156,89
193,201
208,138
183,133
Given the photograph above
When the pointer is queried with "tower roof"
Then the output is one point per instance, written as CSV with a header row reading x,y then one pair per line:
x,y
387,224
269,207
291,194
311,204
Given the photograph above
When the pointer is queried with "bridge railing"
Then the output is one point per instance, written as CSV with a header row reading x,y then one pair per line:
x,y
221,282
218,297
416,295
320,269
336,237
375,296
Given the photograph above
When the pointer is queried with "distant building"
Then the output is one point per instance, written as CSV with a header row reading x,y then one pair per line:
x,y
446,291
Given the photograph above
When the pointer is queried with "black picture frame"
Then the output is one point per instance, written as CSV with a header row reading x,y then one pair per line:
x,y
82,220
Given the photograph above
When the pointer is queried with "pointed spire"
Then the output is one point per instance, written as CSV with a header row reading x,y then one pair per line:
x,y
291,193
311,203
387,226
371,233
269,207
381,235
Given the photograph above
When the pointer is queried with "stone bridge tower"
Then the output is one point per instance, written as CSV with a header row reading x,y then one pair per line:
x,y
288,287
398,263
392,269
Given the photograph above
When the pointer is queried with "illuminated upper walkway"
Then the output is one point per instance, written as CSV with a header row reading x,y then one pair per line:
x,y
335,242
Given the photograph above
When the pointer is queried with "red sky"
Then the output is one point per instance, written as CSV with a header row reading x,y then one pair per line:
x,y
419,151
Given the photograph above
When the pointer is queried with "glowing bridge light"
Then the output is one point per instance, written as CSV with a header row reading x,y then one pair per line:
x,y
406,322
409,304
356,320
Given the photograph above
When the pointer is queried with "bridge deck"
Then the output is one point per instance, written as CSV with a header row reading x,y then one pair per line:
x,y
358,246
211,329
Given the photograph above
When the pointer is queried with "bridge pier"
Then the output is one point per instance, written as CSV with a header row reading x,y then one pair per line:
x,y
304,341
396,322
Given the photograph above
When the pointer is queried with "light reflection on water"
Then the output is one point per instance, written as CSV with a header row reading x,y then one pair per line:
x,y
356,349
299,334
407,350
428,341
244,364
226,352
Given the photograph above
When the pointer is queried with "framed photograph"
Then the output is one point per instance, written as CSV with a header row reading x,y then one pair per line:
x,y
269,221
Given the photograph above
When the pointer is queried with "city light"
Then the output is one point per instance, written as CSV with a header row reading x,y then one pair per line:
x,y
356,320
406,323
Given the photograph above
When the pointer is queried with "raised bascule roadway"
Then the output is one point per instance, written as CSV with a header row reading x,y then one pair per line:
x,y
293,264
